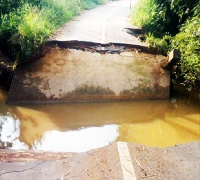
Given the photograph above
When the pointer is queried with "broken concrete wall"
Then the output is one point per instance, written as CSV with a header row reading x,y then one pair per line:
x,y
65,74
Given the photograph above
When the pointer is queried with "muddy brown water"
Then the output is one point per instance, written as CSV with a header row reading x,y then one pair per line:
x,y
80,127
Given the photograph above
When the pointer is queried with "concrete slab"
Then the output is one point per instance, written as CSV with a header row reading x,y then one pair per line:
x,y
79,74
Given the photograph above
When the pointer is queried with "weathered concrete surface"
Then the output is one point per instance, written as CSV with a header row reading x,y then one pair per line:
x,y
173,58
101,73
172,163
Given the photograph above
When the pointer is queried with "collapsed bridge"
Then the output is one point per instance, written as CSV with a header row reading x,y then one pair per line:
x,y
76,71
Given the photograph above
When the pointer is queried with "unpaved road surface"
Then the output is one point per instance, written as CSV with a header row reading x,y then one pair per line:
x,y
104,24
117,161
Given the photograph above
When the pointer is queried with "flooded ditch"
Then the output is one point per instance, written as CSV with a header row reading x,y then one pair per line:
x,y
78,127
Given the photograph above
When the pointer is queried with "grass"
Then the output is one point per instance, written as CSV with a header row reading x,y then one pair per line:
x,y
161,44
26,26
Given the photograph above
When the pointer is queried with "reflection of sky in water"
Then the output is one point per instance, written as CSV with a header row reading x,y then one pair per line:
x,y
54,127
77,141
71,141
10,132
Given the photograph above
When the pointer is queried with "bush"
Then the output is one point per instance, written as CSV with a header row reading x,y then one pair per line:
x,y
188,41
7,6
161,44
152,17
172,24
90,4
25,24
161,17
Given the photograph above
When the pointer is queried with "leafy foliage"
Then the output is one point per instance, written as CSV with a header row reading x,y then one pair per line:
x,y
89,4
26,24
173,24
188,41
161,44
151,17
7,6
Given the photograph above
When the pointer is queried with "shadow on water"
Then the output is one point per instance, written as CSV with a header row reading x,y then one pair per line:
x,y
84,126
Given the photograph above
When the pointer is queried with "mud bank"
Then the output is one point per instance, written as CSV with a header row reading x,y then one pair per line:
x,y
178,162
82,72
6,71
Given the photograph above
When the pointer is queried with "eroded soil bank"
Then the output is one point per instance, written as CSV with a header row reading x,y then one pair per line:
x,y
6,71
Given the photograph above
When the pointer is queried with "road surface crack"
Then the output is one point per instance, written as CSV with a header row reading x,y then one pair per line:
x,y
23,170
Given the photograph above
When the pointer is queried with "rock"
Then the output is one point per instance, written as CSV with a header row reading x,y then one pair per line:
x,y
173,58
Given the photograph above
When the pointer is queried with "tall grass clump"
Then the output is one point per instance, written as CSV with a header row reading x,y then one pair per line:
x,y
161,44
26,24
172,24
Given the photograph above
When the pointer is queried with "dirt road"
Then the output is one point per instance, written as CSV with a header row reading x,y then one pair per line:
x,y
104,24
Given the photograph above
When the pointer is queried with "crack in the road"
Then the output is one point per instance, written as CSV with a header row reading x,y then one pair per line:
x,y
110,48
23,170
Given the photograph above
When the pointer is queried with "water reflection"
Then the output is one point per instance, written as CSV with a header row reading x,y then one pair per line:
x,y
9,133
161,133
36,120
77,141
83,126
34,124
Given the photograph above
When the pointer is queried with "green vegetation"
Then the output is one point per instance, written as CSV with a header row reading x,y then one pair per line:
x,y
89,4
170,24
27,24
